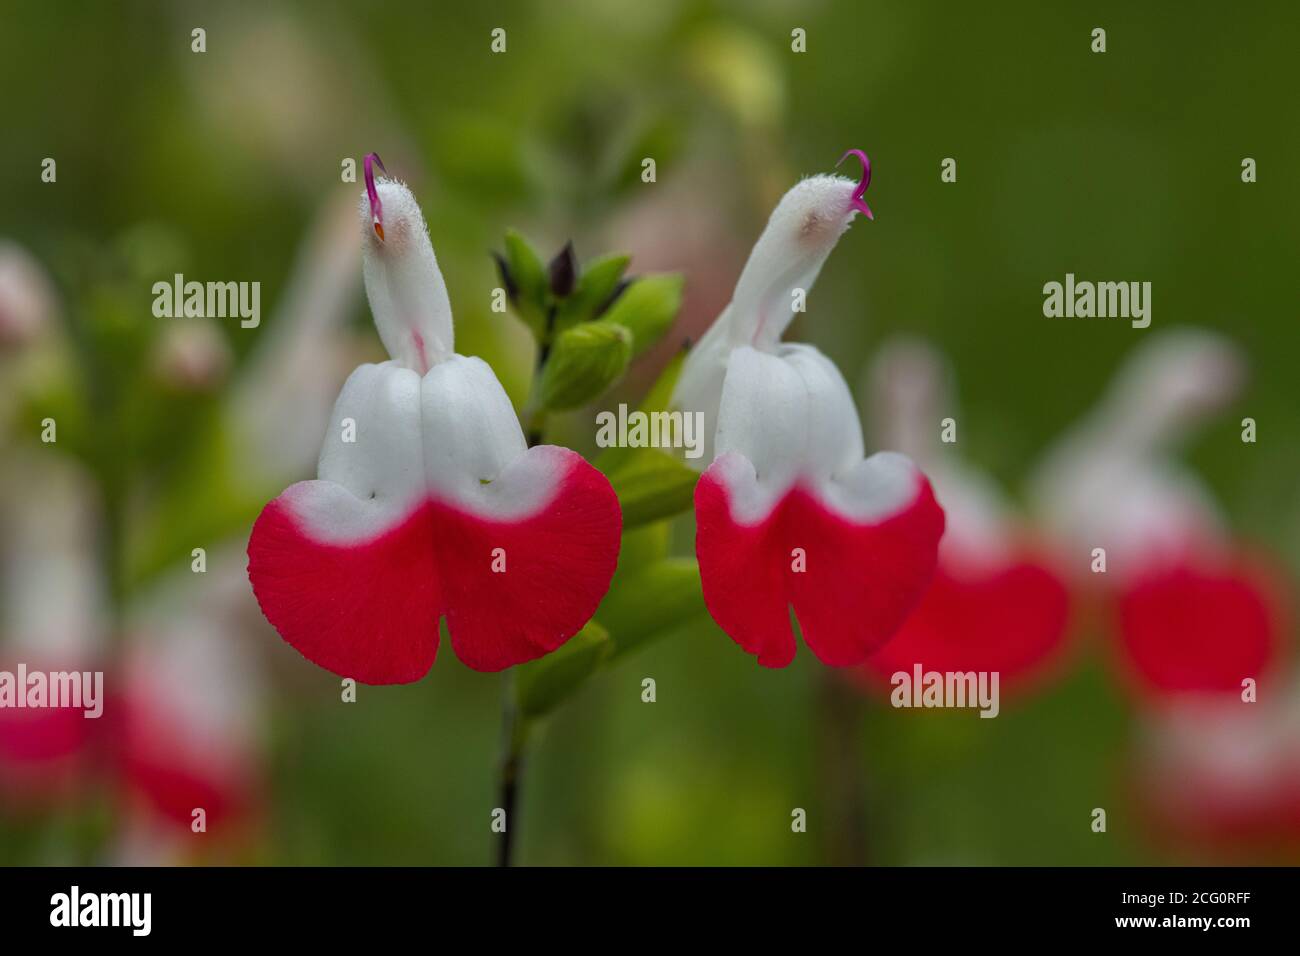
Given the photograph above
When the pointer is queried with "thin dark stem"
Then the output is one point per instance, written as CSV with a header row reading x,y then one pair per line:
x,y
511,771
514,733
839,768
537,419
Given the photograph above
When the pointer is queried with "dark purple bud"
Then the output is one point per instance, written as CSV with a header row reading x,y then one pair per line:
x,y
564,271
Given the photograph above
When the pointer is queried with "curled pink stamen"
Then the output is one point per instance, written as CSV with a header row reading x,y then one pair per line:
x,y
858,202
376,207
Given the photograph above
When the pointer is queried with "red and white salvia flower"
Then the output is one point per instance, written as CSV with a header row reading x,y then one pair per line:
x,y
790,512
185,727
1194,612
52,618
997,603
428,501
1222,774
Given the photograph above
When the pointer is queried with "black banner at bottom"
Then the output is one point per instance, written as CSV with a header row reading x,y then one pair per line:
x,y
546,906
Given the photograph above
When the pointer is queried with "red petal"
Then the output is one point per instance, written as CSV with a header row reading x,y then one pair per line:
x,y
1010,618
558,562
367,611
370,610
860,583
1196,627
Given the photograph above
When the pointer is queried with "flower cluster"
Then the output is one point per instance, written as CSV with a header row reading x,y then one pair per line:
x,y
430,504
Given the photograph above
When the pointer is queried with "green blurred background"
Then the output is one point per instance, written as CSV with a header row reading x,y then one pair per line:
x,y
1124,165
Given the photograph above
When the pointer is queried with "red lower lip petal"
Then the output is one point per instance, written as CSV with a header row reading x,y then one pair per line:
x,y
370,610
860,583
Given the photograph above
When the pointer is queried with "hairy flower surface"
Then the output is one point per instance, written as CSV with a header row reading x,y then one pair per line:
x,y
789,512
428,502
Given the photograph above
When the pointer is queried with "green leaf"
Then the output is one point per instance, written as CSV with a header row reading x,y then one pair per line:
x,y
543,684
584,361
641,546
651,484
648,307
651,602
532,299
661,392
525,266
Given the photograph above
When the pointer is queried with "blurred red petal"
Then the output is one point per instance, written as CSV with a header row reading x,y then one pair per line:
x,y
1010,619
1200,626
44,752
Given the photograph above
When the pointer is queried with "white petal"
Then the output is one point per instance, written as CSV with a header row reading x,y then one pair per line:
x,y
408,297
800,234
699,385
764,417
372,480
470,431
834,429
790,413
451,435
791,418
873,489
870,491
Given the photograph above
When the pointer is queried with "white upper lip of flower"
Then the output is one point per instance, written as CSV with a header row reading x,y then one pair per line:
x,y
427,422
800,234
1112,481
785,407
803,229
407,294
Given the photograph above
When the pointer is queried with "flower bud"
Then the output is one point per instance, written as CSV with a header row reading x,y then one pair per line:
x,y
585,361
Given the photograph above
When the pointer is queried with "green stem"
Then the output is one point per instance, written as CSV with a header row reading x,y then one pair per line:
x,y
514,731
514,735
838,724
535,414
